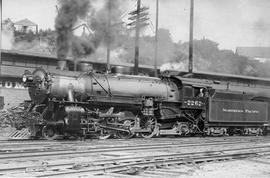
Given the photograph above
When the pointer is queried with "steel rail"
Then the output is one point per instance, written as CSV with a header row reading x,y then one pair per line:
x,y
58,146
167,139
74,151
139,158
155,161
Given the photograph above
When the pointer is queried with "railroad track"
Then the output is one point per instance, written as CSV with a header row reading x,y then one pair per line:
x,y
112,159
133,165
32,146
24,154
154,139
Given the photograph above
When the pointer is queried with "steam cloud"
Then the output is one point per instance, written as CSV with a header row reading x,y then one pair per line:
x,y
8,34
97,19
7,40
69,13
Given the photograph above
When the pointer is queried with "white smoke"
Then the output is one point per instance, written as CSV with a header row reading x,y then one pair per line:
x,y
7,35
180,66
117,55
7,41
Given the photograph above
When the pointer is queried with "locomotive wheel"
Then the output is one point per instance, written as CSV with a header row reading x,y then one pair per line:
x,y
128,123
49,132
182,129
149,122
104,134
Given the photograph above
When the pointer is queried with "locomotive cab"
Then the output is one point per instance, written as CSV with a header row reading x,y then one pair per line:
x,y
192,96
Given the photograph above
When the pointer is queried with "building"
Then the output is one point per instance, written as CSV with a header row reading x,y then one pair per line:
x,y
261,54
26,25
13,65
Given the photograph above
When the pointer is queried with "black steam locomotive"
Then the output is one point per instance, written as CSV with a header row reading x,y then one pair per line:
x,y
80,104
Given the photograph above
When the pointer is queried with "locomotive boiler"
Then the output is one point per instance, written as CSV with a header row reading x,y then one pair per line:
x,y
80,104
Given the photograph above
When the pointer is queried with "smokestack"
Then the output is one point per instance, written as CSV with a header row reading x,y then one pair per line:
x,y
190,66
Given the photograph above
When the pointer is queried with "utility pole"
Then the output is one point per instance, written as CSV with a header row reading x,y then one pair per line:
x,y
136,60
156,37
1,35
139,18
190,66
109,36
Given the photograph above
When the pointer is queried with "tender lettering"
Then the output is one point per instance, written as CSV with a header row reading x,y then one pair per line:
x,y
249,111
233,110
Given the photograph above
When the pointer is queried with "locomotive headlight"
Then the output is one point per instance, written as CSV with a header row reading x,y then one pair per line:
x,y
24,78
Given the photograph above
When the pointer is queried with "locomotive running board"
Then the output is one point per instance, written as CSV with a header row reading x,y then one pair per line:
x,y
22,134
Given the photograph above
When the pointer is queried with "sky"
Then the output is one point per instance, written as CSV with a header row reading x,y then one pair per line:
x,y
230,23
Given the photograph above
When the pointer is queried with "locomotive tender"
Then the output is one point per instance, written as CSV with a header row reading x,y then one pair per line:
x,y
73,103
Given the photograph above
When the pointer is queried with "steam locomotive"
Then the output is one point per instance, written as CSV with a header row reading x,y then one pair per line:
x,y
123,106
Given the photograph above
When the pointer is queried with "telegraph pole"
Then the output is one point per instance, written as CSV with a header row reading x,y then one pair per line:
x,y
1,34
139,18
109,36
190,66
156,37
136,60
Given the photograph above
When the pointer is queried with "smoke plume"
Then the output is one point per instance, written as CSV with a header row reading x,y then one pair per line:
x,y
69,13
97,18
7,41
82,47
111,11
8,34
